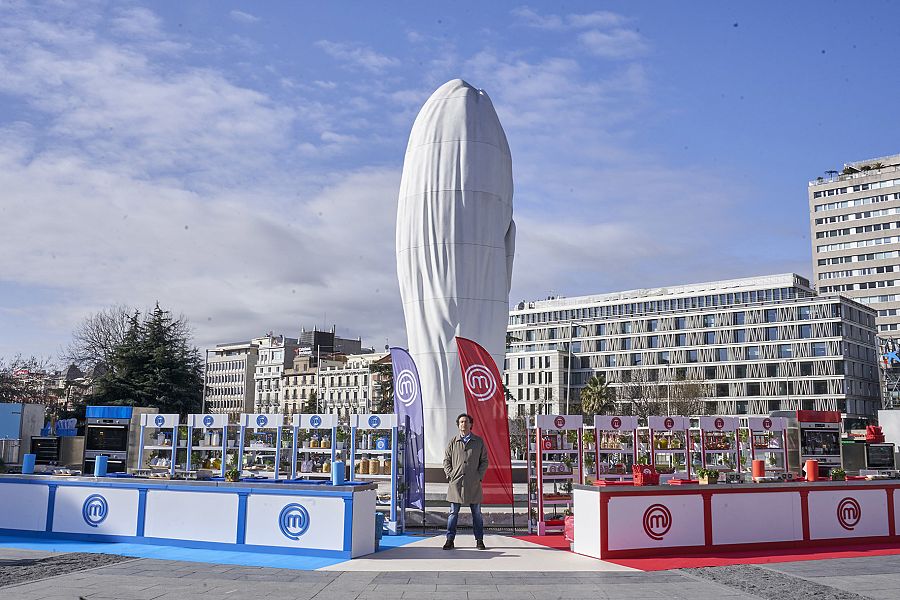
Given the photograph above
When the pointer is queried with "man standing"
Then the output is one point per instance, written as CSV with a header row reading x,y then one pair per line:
x,y
465,463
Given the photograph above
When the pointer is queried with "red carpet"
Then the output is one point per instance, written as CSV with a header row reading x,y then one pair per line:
x,y
690,561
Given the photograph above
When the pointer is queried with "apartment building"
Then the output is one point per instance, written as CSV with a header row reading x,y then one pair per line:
x,y
351,387
854,217
275,355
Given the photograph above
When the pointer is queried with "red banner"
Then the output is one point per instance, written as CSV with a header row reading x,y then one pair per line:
x,y
485,401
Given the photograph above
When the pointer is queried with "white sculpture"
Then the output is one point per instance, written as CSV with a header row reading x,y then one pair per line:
x,y
455,246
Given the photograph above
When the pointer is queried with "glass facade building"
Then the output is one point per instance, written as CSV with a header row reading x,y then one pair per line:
x,y
746,346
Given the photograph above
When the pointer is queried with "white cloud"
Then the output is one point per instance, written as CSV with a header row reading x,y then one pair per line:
x,y
531,18
601,33
137,21
619,43
243,17
116,104
357,55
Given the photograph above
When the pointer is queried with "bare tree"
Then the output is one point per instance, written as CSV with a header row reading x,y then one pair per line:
x,y
643,396
688,397
94,339
97,335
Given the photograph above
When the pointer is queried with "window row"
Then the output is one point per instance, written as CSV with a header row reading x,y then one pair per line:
x,y
866,214
667,304
839,260
226,365
866,285
861,229
859,272
893,239
856,202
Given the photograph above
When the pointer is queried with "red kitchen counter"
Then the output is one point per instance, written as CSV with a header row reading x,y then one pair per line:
x,y
622,522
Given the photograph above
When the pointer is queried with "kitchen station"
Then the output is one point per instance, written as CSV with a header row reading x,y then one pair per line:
x,y
265,484
626,522
309,519
710,483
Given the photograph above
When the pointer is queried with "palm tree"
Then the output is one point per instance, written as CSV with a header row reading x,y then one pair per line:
x,y
597,397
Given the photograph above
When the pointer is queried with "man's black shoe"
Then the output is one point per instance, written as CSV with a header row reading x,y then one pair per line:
x,y
448,545
480,545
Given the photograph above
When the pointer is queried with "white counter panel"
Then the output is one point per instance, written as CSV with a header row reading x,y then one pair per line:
x,y
95,510
655,521
363,528
756,517
587,523
23,506
201,516
847,513
296,521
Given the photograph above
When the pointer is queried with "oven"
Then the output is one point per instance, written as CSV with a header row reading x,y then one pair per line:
x,y
106,433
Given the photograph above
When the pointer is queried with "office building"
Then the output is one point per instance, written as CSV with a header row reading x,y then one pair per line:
x,y
745,346
229,384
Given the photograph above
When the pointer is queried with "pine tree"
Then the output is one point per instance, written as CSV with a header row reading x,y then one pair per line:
x,y
155,366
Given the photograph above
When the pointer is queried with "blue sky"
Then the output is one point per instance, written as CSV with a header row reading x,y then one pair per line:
x,y
239,162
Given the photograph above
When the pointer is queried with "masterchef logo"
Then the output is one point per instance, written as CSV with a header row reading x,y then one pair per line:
x,y
669,423
657,521
848,513
559,422
719,423
616,422
767,424
480,382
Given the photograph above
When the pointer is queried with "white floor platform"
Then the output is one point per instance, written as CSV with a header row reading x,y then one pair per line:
x,y
503,554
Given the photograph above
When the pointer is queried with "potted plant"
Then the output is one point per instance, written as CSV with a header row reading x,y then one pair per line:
x,y
708,476
232,475
589,439
838,475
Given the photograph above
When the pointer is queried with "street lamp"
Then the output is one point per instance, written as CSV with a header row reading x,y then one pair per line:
x,y
572,326
205,377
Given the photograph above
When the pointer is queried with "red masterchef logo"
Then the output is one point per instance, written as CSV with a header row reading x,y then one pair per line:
x,y
560,422
547,444
657,521
669,423
719,423
616,422
767,424
849,513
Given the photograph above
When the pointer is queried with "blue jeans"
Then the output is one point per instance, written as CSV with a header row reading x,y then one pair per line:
x,y
477,520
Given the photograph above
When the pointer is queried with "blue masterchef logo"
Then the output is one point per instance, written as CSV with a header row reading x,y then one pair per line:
x,y
293,521
94,510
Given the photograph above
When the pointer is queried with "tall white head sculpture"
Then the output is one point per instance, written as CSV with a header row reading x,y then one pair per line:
x,y
455,246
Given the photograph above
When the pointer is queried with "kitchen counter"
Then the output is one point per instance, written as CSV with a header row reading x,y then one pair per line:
x,y
623,521
256,515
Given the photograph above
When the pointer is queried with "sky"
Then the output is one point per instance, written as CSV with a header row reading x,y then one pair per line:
x,y
239,162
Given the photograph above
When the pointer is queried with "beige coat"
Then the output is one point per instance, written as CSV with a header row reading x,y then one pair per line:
x,y
465,466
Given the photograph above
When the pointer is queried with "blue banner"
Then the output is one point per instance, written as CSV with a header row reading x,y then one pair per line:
x,y
408,406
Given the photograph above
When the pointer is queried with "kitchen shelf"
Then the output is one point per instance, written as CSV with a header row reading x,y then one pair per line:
x,y
555,429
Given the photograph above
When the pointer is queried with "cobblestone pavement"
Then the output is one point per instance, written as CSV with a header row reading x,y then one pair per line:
x,y
873,578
